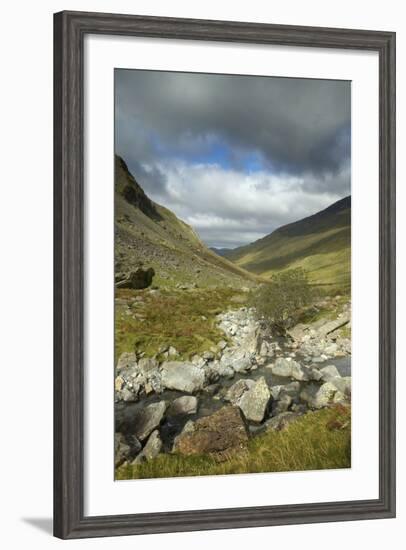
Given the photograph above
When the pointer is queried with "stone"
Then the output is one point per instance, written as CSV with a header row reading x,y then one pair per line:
x,y
126,360
151,450
318,396
118,383
126,394
254,402
187,404
331,326
172,352
122,450
282,421
343,384
224,371
221,435
146,365
236,391
328,372
288,368
148,419
182,376
222,345
138,279
282,404
237,358
208,356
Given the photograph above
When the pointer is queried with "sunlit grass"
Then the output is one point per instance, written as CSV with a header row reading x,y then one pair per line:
x,y
185,319
318,440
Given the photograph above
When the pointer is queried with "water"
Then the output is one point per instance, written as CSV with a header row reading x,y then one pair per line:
x,y
207,403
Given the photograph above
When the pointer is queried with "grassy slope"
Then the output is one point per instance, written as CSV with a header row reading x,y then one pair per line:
x,y
320,243
319,440
149,233
147,321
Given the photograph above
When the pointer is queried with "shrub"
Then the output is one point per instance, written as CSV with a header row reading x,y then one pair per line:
x,y
280,301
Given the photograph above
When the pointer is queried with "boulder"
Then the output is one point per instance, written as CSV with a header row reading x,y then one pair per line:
x,y
187,404
220,435
343,384
236,391
328,372
282,421
151,450
182,376
289,369
126,361
138,279
148,419
254,402
237,358
282,404
331,326
122,450
318,396
147,365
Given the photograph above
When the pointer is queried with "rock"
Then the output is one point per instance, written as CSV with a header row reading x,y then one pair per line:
x,y
312,373
208,356
137,279
147,365
148,419
187,404
236,391
328,372
318,396
134,443
222,345
237,358
224,371
119,383
212,389
126,361
291,389
282,404
122,450
172,352
281,421
343,384
276,423
182,376
254,402
220,435
331,326
151,450
289,369
128,395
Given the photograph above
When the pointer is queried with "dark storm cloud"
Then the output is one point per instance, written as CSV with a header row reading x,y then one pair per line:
x,y
253,152
296,125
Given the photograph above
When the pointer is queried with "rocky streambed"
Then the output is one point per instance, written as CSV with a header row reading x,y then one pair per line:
x,y
249,382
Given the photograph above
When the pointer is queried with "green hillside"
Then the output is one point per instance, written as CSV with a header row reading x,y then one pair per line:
x,y
151,235
320,243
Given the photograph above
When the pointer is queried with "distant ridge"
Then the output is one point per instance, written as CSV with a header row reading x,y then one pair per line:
x,y
320,243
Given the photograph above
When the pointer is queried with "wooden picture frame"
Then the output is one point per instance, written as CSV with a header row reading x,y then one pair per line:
x,y
70,30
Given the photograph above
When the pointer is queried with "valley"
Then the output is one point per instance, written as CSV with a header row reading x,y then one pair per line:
x,y
203,384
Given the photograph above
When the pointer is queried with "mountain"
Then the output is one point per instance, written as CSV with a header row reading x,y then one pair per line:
x,y
320,243
149,234
220,251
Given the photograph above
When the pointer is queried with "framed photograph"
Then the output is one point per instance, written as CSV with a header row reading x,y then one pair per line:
x,y
224,275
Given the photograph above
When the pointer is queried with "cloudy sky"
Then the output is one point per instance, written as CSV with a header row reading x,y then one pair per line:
x,y
235,156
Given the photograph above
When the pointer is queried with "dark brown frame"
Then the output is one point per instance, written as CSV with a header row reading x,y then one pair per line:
x,y
70,29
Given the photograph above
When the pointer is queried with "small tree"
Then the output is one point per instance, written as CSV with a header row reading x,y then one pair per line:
x,y
280,301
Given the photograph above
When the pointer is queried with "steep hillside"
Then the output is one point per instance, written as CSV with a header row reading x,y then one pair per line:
x,y
320,243
149,234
